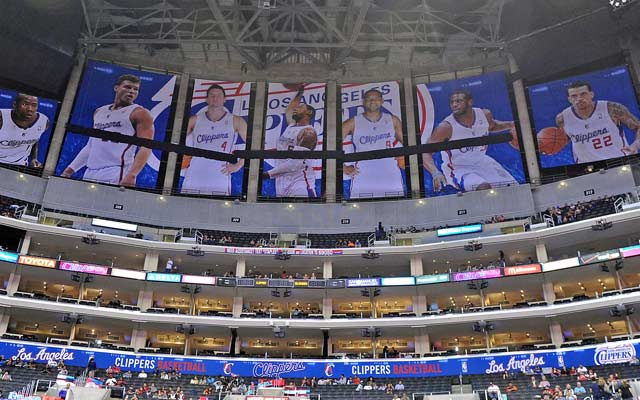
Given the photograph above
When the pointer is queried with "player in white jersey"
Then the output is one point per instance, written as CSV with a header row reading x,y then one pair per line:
x,y
215,129
595,127
373,130
289,182
20,131
296,177
467,168
112,162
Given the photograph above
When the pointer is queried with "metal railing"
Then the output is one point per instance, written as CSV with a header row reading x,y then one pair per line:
x,y
420,395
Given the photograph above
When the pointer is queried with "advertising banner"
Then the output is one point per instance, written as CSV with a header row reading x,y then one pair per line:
x,y
295,122
218,122
522,270
480,274
429,279
122,100
468,108
585,118
25,131
85,268
603,354
560,264
37,261
372,120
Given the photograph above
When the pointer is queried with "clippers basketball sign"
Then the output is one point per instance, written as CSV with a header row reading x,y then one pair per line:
x,y
37,261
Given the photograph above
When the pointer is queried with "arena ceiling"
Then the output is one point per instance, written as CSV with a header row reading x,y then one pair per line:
x,y
329,32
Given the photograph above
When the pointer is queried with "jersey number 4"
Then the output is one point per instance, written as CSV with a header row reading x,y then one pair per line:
x,y
224,146
599,143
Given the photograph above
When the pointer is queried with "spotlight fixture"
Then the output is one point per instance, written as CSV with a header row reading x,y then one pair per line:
x,y
483,326
621,310
282,255
370,254
473,245
279,331
602,225
91,239
616,5
196,251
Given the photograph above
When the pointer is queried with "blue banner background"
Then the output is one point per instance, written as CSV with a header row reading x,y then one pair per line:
x,y
611,353
47,107
96,90
549,99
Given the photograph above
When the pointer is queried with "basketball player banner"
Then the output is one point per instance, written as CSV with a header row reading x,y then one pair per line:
x,y
295,122
25,128
122,100
372,120
467,108
218,122
585,118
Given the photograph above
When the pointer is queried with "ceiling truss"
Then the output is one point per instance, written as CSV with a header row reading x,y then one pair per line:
x,y
330,32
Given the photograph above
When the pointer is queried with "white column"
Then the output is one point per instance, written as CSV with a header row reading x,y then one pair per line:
x,y
241,267
151,261
327,269
419,304
26,243
256,140
14,281
176,132
145,298
237,306
327,306
541,252
330,140
4,321
422,343
410,121
548,292
526,130
555,331
138,338
417,268
330,346
63,117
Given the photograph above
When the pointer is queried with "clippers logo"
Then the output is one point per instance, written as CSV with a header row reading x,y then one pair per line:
x,y
614,354
328,369
227,368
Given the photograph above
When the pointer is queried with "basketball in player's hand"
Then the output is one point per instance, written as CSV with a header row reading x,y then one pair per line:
x,y
293,86
186,162
551,140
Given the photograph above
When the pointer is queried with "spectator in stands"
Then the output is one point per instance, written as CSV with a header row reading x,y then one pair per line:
x,y
63,392
625,390
613,384
356,380
342,380
582,369
598,389
142,375
169,266
91,367
533,381
634,361
511,388
111,382
579,390
569,394
493,391
557,393
399,387
6,376
544,383
592,374
385,352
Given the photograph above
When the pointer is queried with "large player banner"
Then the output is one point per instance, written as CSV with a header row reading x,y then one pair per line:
x,y
515,362
25,131
295,122
218,122
372,120
123,100
585,118
463,109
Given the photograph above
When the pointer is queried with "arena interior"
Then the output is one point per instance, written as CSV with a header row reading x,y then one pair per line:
x,y
320,199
